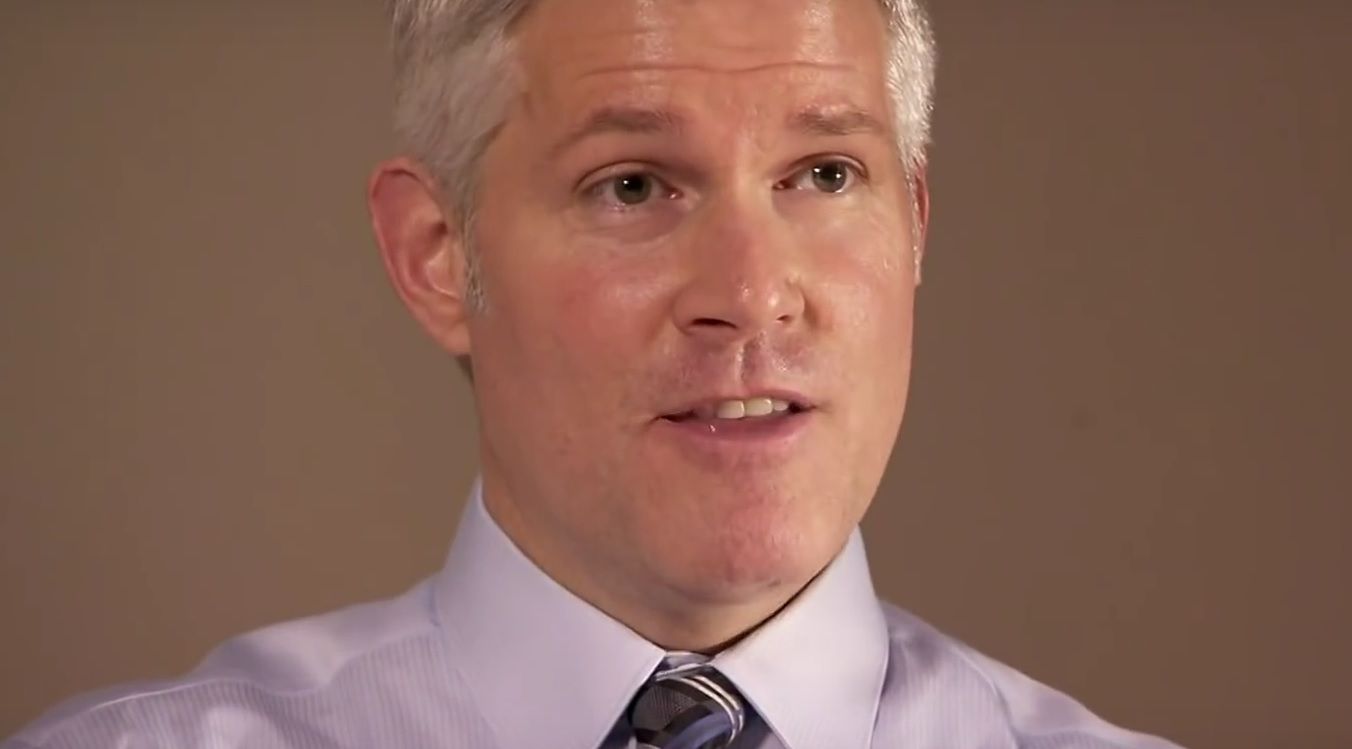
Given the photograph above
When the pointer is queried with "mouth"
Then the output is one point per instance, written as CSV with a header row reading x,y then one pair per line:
x,y
762,407
724,433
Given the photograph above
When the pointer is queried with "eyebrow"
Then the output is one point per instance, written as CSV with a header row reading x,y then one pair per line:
x,y
630,120
836,121
624,120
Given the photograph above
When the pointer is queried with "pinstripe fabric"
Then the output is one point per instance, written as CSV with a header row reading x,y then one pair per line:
x,y
490,653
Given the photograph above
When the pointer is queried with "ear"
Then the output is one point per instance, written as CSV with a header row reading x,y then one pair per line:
x,y
920,194
422,250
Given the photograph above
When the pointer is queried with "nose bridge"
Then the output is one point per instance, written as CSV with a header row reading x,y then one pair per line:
x,y
744,276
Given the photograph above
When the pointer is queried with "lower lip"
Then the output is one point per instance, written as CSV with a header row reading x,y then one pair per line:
x,y
738,436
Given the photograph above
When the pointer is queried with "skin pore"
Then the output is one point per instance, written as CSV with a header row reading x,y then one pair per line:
x,y
689,201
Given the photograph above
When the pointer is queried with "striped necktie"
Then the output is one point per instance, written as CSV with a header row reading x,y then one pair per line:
x,y
687,707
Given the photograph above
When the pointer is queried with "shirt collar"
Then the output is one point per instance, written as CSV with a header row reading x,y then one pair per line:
x,y
549,669
814,672
545,667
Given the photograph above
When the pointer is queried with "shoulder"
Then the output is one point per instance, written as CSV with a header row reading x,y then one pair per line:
x,y
1023,712
268,688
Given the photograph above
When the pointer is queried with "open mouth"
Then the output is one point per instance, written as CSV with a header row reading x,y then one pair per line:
x,y
739,409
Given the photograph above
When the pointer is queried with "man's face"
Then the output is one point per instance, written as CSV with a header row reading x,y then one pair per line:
x,y
693,202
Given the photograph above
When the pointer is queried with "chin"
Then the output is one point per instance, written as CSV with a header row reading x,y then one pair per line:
x,y
733,535
750,556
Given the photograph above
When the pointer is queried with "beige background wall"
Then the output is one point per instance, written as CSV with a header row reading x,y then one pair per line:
x,y
1126,465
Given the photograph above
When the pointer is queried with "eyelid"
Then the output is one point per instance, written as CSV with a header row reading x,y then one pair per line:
x,y
855,164
593,182
593,179
593,185
805,166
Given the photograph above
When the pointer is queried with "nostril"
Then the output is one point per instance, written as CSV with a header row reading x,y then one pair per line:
x,y
713,322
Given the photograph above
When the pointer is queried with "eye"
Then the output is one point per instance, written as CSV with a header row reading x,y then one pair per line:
x,y
830,176
629,189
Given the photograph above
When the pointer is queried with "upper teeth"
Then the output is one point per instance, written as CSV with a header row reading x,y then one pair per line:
x,y
742,408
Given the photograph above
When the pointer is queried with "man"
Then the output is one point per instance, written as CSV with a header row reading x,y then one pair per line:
x,y
676,243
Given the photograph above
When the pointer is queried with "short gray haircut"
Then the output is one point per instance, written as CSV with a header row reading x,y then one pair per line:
x,y
451,59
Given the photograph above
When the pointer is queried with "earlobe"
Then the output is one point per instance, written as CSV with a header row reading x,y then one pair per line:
x,y
422,252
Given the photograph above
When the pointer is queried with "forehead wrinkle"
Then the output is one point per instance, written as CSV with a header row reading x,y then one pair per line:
x,y
587,95
837,121
657,67
641,37
643,98
624,119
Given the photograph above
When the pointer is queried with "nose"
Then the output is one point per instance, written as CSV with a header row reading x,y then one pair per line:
x,y
744,279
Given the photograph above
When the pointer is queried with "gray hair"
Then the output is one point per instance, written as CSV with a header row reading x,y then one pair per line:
x,y
451,57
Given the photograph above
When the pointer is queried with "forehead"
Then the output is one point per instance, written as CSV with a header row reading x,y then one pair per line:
x,y
707,53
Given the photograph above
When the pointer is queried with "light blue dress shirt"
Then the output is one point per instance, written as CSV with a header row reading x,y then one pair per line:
x,y
491,653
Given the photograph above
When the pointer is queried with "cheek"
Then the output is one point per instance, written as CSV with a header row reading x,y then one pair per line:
x,y
866,263
607,311
578,317
868,309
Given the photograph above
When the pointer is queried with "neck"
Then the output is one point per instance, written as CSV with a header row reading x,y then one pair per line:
x,y
707,629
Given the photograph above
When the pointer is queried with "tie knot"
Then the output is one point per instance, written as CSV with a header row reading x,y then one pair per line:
x,y
687,707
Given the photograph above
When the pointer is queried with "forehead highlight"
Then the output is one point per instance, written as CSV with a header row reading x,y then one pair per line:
x,y
560,39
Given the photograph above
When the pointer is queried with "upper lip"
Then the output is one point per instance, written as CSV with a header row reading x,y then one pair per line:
x,y
795,399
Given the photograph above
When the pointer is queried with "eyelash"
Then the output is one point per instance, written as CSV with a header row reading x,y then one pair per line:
x,y
855,172
595,190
